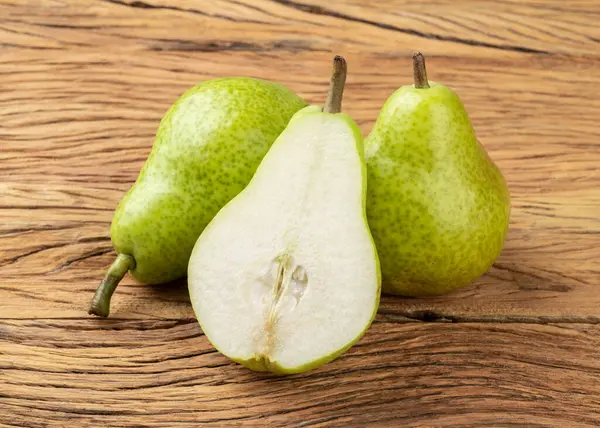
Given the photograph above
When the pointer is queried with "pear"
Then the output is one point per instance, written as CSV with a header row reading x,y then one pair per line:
x,y
437,205
208,146
286,277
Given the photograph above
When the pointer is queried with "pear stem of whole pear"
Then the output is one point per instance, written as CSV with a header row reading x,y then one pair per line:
x,y
336,87
101,302
420,72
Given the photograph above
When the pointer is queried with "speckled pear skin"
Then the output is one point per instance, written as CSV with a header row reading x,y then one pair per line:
x,y
437,205
207,147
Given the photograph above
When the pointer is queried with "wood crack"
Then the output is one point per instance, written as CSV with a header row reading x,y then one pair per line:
x,y
143,5
219,46
429,316
94,253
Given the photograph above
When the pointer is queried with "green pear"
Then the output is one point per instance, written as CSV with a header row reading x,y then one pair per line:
x,y
208,146
286,277
437,205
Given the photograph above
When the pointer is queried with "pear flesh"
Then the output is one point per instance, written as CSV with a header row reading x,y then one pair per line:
x,y
286,276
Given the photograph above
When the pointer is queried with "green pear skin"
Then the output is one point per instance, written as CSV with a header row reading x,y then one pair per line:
x,y
208,145
438,207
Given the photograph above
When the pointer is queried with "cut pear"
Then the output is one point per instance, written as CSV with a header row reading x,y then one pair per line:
x,y
286,276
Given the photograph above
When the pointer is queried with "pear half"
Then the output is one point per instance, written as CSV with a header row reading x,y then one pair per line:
x,y
286,276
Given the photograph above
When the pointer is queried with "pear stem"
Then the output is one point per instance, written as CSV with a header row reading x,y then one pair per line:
x,y
420,72
101,302
336,87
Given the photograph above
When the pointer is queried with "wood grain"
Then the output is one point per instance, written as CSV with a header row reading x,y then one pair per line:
x,y
481,28
65,372
83,85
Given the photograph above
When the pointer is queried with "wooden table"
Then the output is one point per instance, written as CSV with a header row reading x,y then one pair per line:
x,y
83,85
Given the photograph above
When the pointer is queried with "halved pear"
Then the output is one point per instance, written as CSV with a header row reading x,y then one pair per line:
x,y
286,276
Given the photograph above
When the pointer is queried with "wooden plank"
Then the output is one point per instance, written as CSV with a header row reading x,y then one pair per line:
x,y
488,28
69,151
83,85
165,373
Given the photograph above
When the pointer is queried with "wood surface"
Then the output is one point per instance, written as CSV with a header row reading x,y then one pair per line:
x,y
83,85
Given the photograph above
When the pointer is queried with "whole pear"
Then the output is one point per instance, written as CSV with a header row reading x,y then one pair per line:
x,y
438,207
208,145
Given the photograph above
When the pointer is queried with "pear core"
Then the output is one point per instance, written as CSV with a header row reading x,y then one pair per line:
x,y
279,291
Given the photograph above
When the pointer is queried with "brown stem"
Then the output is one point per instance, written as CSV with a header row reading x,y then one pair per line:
x,y
336,87
101,302
420,72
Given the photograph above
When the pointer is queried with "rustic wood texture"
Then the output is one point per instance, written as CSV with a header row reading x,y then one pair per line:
x,y
164,373
83,85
